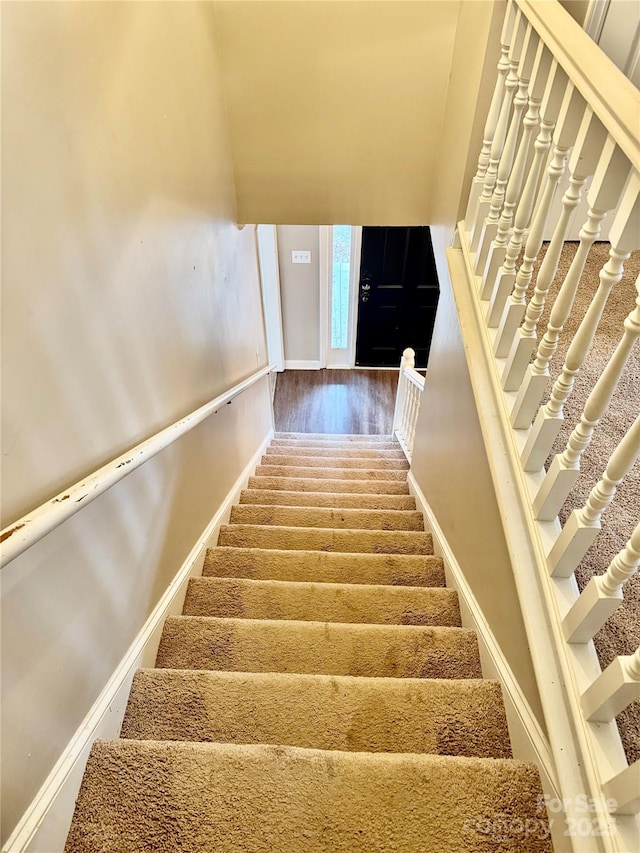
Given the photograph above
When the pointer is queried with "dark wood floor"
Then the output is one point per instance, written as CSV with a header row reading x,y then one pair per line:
x,y
335,401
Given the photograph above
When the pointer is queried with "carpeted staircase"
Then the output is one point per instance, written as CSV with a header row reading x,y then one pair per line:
x,y
318,692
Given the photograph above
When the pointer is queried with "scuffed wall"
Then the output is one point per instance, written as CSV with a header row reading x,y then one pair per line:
x,y
129,299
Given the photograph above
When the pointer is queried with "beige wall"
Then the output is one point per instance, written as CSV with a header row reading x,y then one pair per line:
x,y
300,293
450,464
449,459
336,108
129,298
473,73
577,9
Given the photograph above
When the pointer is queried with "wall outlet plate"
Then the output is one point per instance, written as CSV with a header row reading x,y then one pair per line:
x,y
299,257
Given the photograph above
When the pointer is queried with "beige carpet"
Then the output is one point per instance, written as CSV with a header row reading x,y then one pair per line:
x,y
621,635
318,693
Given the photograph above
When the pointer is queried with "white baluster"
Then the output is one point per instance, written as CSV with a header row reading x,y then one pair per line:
x,y
602,595
413,418
504,279
477,183
498,247
548,73
624,790
406,410
500,134
569,122
565,467
490,225
614,689
583,525
603,195
604,191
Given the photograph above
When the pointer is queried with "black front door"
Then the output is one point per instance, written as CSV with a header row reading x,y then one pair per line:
x,y
397,295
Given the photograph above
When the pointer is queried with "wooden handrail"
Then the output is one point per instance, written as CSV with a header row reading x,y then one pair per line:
x,y
613,98
26,531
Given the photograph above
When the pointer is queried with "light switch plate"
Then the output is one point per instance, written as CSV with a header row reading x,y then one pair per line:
x,y
299,257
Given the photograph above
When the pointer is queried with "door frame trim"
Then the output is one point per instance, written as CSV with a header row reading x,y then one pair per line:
x,y
269,275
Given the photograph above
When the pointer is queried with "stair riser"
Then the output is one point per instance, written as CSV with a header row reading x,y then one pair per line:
x,y
330,473
328,499
464,717
355,519
336,445
321,566
329,436
321,602
313,484
337,452
346,462
317,539
247,645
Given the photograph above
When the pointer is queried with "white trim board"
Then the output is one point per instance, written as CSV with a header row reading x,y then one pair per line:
x,y
45,824
267,249
528,740
303,365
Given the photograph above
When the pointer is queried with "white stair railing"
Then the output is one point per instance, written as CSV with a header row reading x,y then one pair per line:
x,y
564,470
571,114
409,394
559,100
495,134
498,248
32,527
602,596
514,81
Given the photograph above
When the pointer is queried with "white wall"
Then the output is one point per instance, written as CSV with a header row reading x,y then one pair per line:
x,y
129,298
336,108
300,295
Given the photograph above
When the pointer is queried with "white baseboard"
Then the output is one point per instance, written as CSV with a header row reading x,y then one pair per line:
x,y
303,365
528,740
45,825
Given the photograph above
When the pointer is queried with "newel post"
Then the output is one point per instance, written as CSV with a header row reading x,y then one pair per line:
x,y
408,360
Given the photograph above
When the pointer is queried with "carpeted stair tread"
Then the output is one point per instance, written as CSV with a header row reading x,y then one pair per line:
x,y
197,797
327,648
281,497
331,436
325,566
343,462
337,452
318,692
353,519
335,473
326,539
322,484
423,715
321,602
